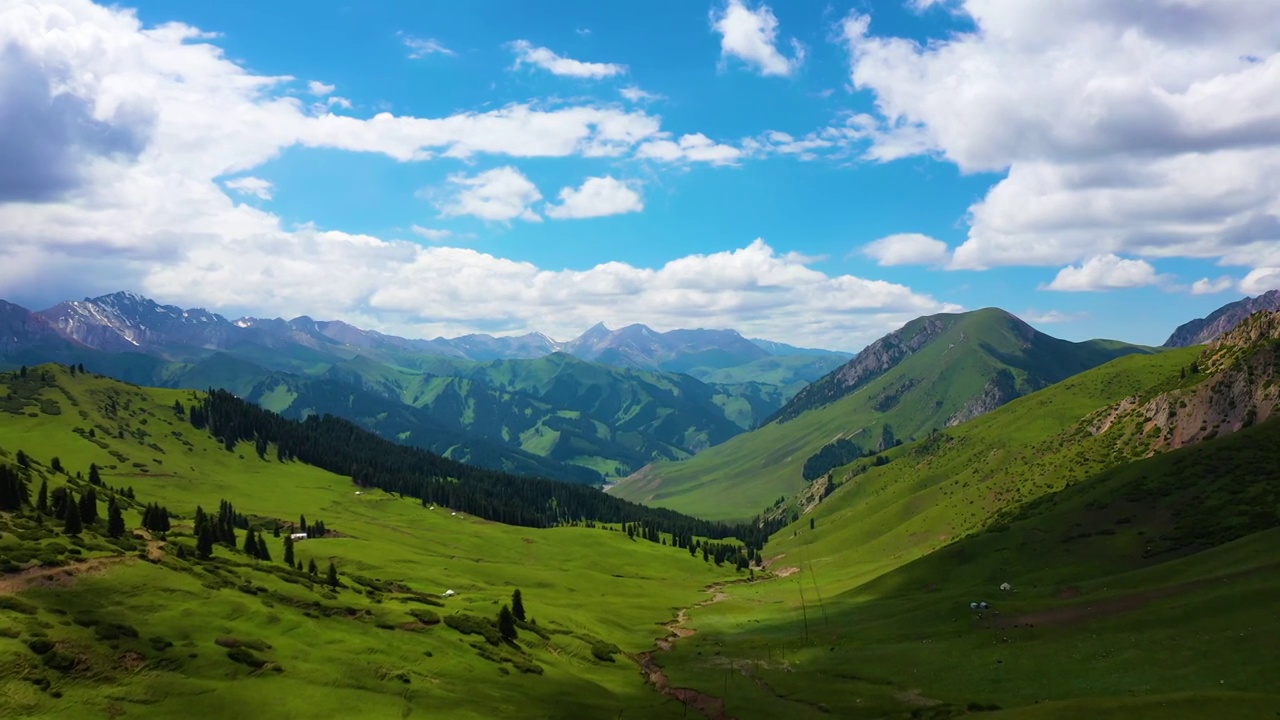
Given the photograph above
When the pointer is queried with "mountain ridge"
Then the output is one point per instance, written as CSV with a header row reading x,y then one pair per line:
x,y
1222,320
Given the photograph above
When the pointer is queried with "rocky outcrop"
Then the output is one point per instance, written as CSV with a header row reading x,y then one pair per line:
x,y
1001,388
1234,383
875,360
1222,320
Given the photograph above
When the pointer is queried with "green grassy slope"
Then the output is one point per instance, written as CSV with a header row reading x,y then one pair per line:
x,y
1144,591
359,648
976,362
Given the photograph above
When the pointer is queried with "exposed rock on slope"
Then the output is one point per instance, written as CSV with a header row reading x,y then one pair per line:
x,y
1240,387
1222,320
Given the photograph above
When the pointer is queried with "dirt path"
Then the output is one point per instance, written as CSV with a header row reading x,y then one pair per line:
x,y
710,706
54,576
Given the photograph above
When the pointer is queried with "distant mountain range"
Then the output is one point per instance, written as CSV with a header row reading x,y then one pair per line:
x,y
601,405
1222,320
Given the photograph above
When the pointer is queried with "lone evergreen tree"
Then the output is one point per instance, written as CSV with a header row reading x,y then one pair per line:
x,y
95,477
507,623
42,498
250,545
55,464
115,519
331,578
288,551
312,570
264,552
517,605
73,524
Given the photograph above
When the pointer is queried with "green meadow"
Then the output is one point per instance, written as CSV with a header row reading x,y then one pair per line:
x,y
359,651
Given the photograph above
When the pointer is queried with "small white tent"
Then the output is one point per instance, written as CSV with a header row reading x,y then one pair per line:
x,y
1006,587
449,593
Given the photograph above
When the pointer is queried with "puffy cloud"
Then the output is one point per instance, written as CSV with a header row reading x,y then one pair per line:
x,y
907,249
1205,286
1149,129
695,147
598,196
502,194
431,234
752,37
422,47
529,54
250,185
1261,280
1105,272
319,89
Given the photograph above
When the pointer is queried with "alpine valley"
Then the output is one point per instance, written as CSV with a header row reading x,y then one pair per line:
x,y
574,360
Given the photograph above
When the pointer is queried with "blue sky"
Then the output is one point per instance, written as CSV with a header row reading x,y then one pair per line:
x,y
956,155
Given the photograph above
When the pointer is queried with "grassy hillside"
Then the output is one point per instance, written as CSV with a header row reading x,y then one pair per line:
x,y
970,364
1144,591
372,646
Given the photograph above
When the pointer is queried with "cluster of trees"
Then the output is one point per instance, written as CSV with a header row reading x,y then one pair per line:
x,y
342,447
725,552
509,615
256,547
156,518
14,493
316,529
211,529
831,456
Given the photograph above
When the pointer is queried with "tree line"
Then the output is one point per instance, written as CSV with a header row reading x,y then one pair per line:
x,y
341,447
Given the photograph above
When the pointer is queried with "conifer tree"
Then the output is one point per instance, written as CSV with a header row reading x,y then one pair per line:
x,y
312,570
204,542
507,623
42,498
95,477
250,545
55,464
89,507
73,524
331,577
517,605
23,460
264,552
115,519
288,551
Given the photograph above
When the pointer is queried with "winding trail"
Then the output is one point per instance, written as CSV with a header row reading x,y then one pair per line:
x,y
710,706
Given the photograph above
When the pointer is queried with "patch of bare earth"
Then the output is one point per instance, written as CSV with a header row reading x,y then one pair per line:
x,y
42,577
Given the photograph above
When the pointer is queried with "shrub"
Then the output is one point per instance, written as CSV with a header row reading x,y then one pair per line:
x,y
472,625
8,602
245,657
40,646
604,651
425,616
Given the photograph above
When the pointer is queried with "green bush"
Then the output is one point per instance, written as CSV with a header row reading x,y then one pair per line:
x,y
425,616
245,657
473,625
40,646
604,651
8,602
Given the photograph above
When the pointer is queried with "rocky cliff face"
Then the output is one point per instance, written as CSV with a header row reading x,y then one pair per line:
x,y
1222,320
999,390
1240,387
875,360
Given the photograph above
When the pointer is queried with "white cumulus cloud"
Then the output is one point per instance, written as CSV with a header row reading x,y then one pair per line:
x,y
529,54
319,89
907,249
751,35
1143,129
597,197
1105,272
1205,286
502,194
1261,280
694,147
